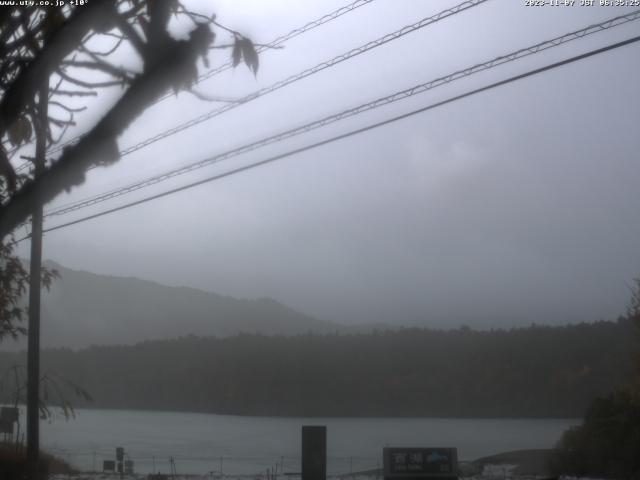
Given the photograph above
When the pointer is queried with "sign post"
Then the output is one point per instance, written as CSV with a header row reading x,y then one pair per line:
x,y
314,452
8,417
120,458
420,463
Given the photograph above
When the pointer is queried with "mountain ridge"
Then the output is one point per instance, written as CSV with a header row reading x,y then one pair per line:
x,y
83,308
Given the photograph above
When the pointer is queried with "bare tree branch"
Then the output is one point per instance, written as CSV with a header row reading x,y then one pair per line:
x,y
99,146
101,65
82,83
75,93
131,35
61,123
61,43
121,39
68,109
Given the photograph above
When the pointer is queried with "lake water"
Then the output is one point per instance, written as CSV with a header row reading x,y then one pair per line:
x,y
201,443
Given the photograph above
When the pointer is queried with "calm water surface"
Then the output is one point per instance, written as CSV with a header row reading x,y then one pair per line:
x,y
201,443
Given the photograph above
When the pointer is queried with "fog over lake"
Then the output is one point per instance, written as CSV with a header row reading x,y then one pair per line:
x,y
249,445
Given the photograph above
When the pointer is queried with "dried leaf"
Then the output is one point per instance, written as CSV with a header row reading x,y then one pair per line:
x,y
236,54
20,131
250,55
7,171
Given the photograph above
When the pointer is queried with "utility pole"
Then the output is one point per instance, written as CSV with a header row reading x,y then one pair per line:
x,y
33,352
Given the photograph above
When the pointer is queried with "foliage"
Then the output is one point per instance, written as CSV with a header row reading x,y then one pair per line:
x,y
55,392
633,311
607,443
243,49
58,46
535,372
13,464
14,280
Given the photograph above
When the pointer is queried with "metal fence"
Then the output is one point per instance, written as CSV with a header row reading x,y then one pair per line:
x,y
264,468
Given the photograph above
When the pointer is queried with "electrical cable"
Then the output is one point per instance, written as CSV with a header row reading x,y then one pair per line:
x,y
421,88
306,73
352,132
277,42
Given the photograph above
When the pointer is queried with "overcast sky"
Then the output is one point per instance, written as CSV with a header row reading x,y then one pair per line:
x,y
515,206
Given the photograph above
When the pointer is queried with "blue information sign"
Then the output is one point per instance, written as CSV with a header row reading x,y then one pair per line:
x,y
420,462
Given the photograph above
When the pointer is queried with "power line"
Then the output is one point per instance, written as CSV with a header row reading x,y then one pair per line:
x,y
353,132
421,88
307,73
292,79
284,38
278,41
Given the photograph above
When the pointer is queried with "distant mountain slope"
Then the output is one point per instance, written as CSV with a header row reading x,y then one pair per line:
x,y
84,308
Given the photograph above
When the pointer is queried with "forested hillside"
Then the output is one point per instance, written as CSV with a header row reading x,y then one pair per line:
x,y
536,371
84,308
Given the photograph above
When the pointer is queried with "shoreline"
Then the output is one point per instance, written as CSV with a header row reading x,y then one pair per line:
x,y
517,464
80,409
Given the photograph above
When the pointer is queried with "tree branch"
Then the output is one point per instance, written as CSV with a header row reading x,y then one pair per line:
x,y
62,42
68,109
131,34
99,65
108,52
61,123
99,147
84,84
75,93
